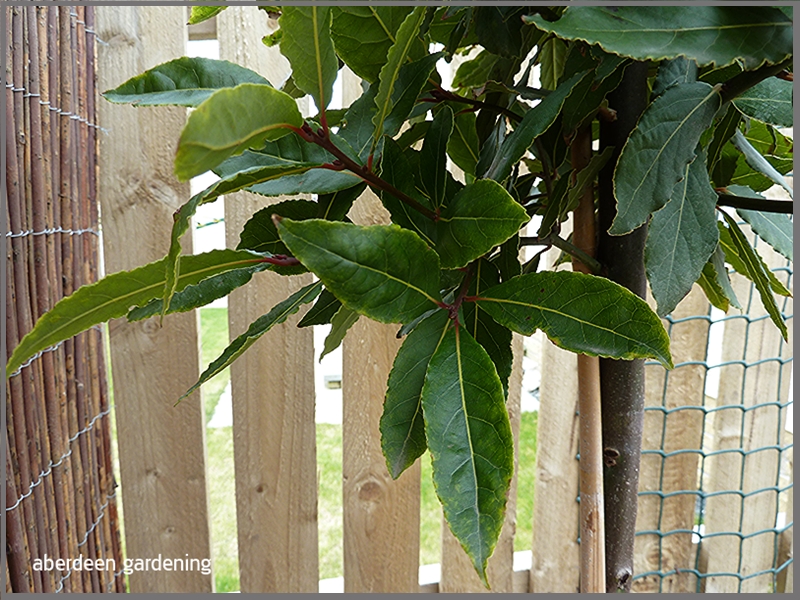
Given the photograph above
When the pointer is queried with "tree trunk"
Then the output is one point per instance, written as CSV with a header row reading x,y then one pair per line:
x,y
621,382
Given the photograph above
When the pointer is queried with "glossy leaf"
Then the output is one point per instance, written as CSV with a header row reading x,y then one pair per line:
x,y
396,57
397,170
307,43
225,125
735,256
533,124
182,217
182,82
279,313
756,272
681,238
402,426
463,146
710,35
326,306
433,156
363,35
478,218
114,295
655,156
384,272
469,436
203,13
581,313
769,101
342,320
756,161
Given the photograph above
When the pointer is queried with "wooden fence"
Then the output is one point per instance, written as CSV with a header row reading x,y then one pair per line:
x,y
161,447
60,489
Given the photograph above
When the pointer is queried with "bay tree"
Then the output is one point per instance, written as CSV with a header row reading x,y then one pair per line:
x,y
655,130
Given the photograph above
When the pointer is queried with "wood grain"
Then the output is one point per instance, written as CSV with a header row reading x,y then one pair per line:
x,y
161,450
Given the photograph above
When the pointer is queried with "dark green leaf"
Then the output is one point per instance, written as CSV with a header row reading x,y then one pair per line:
x,y
203,13
433,156
397,170
114,295
775,229
681,237
710,35
481,216
363,35
469,436
733,254
475,72
534,123
499,29
588,95
336,205
756,272
343,320
756,161
396,57
557,207
402,426
182,82
716,282
463,146
581,313
552,57
655,156
411,80
384,272
769,101
306,42
723,132
672,72
507,259
279,313
326,306
226,124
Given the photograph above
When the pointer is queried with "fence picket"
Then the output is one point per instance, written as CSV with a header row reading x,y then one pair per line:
x,y
161,446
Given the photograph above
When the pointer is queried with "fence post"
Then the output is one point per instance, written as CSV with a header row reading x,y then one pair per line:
x,y
272,384
161,448
670,430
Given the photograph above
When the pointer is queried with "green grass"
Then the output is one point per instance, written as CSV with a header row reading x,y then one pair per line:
x,y
222,498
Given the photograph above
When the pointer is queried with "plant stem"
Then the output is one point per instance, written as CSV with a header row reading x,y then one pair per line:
x,y
593,264
762,204
742,82
593,538
442,95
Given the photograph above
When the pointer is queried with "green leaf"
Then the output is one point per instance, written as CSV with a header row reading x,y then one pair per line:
x,y
552,57
227,124
326,306
259,233
463,146
307,43
396,57
723,132
411,80
114,295
673,72
279,313
396,169
586,177
494,338
478,218
742,264
363,35
716,282
588,95
756,271
335,205
710,35
384,272
342,320
203,13
774,228
402,425
581,313
500,29
469,436
228,185
475,72
534,123
681,237
433,156
756,161
769,101
182,82
655,156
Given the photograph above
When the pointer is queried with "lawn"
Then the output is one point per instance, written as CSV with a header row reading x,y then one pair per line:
x,y
222,498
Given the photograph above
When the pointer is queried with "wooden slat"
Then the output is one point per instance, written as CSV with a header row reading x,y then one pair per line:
x,y
458,574
555,562
746,431
272,386
162,463
381,515
682,430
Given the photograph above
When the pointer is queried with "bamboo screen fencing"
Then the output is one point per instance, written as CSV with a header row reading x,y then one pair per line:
x,y
733,452
60,490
